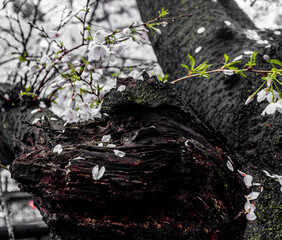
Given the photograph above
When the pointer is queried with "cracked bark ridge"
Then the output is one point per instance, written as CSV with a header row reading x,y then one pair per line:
x,y
172,183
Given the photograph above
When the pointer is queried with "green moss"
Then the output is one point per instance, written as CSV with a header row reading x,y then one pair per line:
x,y
268,224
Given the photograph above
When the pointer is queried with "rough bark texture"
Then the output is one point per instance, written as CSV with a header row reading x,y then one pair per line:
x,y
220,100
172,183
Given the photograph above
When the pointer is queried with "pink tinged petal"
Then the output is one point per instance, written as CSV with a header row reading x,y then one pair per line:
x,y
230,166
106,138
58,149
119,153
241,173
96,173
253,195
158,31
250,98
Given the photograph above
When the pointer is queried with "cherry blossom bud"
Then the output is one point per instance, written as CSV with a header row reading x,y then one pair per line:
x,y
266,57
250,98
126,32
158,31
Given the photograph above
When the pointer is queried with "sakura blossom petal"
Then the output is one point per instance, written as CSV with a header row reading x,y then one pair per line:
x,y
58,148
227,23
253,195
250,98
251,216
230,166
79,158
198,49
270,109
248,180
106,138
111,145
267,174
121,88
35,120
96,173
100,145
119,153
201,30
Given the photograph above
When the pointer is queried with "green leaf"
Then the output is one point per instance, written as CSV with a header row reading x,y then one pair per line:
x,y
275,61
185,66
252,61
241,72
226,58
192,61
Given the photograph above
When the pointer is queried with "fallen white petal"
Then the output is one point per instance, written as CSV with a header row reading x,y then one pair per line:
x,y
121,88
253,195
267,174
241,173
248,180
198,49
237,58
106,138
227,23
53,119
96,173
35,120
201,30
79,158
119,153
251,216
248,52
35,111
230,166
58,149
100,145
111,145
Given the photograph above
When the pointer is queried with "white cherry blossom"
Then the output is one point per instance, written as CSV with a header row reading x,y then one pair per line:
x,y
97,52
253,195
247,178
126,32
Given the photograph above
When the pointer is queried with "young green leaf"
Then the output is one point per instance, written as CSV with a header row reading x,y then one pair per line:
x,y
275,61
185,66
226,58
192,61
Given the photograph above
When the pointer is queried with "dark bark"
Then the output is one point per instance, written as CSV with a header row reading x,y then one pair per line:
x,y
173,182
220,99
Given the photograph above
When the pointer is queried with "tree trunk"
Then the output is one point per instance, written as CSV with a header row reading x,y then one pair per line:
x,y
172,183
220,99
